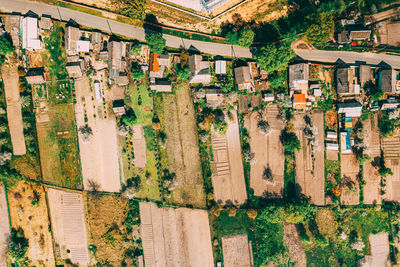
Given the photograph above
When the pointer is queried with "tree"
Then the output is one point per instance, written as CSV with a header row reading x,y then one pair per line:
x,y
232,38
374,93
264,127
86,132
246,37
156,42
221,127
385,171
136,48
18,245
134,9
290,141
274,57
5,46
137,72
182,73
321,28
277,80
129,118
267,175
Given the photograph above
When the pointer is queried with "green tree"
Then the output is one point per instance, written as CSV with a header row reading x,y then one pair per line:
x,y
134,9
374,93
156,42
183,74
136,48
129,118
232,38
246,37
137,73
5,46
321,28
277,80
18,245
385,171
274,57
290,141
221,127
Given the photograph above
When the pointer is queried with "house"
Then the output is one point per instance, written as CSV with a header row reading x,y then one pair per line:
x,y
220,67
119,107
160,85
331,135
387,81
95,41
365,74
158,65
74,69
350,109
343,37
268,97
45,23
214,97
114,61
12,26
345,142
360,35
299,101
35,76
244,79
83,46
298,77
123,79
389,104
199,70
30,34
346,81
72,35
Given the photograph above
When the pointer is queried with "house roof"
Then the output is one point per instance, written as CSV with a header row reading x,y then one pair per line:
x,y
343,37
161,85
360,35
96,41
154,64
123,79
118,103
35,76
82,45
242,75
72,36
30,33
199,70
299,101
220,67
12,26
387,80
365,74
342,80
45,23
298,72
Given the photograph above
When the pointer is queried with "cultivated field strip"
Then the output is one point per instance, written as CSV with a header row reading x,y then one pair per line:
x,y
68,222
175,237
228,178
236,251
350,189
4,226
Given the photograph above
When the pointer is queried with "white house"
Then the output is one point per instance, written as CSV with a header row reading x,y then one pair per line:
x,y
352,109
30,34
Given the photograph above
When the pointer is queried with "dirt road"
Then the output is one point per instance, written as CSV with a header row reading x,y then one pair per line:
x,y
268,152
4,226
236,251
68,225
310,159
371,175
228,178
175,237
10,77
99,154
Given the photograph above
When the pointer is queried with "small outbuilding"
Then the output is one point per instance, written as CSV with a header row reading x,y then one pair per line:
x,y
35,76
220,67
244,79
30,34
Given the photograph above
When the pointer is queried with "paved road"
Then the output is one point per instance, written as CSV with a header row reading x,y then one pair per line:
x,y
348,57
133,32
119,28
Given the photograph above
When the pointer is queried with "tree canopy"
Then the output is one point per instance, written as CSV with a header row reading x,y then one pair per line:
x,y
134,9
290,141
246,37
274,57
156,42
5,48
321,28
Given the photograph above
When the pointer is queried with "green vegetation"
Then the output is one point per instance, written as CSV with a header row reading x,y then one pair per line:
x,y
274,57
18,246
373,91
290,141
156,42
321,29
137,72
5,48
134,9
129,118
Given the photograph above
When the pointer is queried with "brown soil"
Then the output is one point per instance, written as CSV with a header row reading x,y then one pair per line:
x,y
33,219
236,251
326,222
350,189
295,247
331,119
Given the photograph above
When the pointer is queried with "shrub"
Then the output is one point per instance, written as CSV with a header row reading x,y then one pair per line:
x,y
137,73
18,245
290,141
156,42
129,118
246,37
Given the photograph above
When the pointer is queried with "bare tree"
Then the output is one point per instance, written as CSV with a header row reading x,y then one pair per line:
x,y
267,175
86,132
93,186
264,127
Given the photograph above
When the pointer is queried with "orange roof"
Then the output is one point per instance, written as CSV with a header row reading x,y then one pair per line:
x,y
299,98
154,65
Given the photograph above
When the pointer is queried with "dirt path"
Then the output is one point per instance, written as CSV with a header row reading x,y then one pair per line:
x,y
68,224
350,188
236,251
175,237
14,112
371,175
228,178
293,242
99,154
139,145
4,226
310,159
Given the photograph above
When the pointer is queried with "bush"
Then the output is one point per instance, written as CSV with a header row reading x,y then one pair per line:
x,y
129,118
137,73
5,46
18,245
246,37
156,42
290,141
183,74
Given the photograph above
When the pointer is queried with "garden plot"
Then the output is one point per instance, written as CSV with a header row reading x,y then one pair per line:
x,y
310,159
349,170
139,144
268,152
228,178
175,237
393,181
237,251
380,251
14,113
28,211
68,224
99,150
371,175
4,226
294,244
182,149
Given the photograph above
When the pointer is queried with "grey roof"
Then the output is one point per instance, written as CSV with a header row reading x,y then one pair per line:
x,y
343,37
360,35
298,72
387,80
242,75
114,60
365,74
71,37
199,70
342,80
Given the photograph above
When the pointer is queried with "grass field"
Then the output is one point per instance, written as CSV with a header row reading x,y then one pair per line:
x,y
59,149
180,152
113,226
142,104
